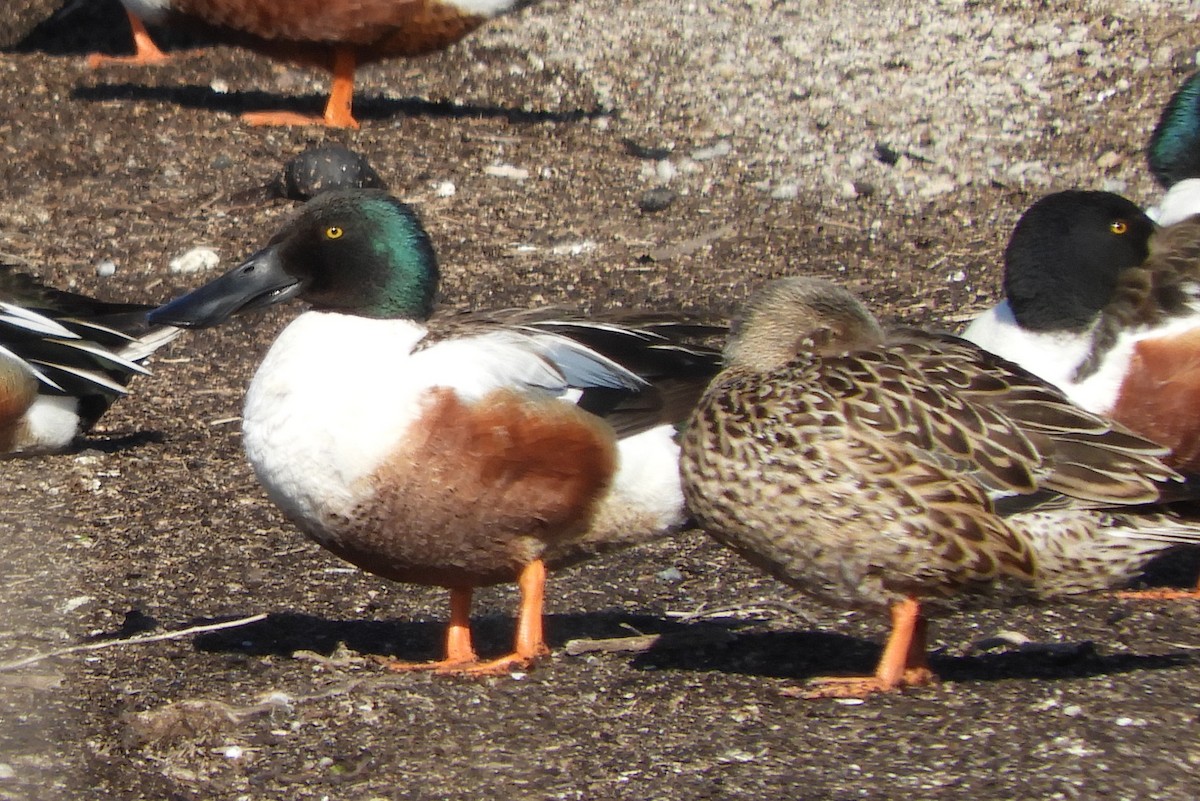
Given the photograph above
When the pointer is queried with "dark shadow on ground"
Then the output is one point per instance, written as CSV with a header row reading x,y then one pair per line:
x,y
365,108
282,634
710,646
803,655
118,443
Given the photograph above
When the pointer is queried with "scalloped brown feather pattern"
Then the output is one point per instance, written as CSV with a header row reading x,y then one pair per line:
x,y
873,475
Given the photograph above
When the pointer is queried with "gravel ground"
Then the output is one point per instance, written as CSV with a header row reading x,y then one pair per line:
x,y
889,145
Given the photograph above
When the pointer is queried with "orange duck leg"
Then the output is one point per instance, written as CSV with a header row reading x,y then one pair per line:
x,y
460,656
147,53
337,110
1163,594
903,663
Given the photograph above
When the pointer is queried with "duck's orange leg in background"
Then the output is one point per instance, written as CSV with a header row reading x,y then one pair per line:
x,y
337,110
146,52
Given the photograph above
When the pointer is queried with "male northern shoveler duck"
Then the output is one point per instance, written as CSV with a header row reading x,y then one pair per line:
x,y
64,359
907,471
456,451
338,35
1105,307
1173,154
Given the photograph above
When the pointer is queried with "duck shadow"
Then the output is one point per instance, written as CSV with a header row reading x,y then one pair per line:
x,y
804,655
365,107
718,647
117,443
285,633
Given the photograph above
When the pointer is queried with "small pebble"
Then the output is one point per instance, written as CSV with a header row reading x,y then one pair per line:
x,y
506,171
656,199
886,154
670,574
713,151
789,190
106,268
639,151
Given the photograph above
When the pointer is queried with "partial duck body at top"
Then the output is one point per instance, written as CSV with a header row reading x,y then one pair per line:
x,y
337,35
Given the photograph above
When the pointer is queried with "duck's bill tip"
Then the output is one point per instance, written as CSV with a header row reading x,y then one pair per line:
x,y
256,283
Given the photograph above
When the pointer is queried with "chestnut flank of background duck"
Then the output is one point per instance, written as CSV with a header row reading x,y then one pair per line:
x,y
337,35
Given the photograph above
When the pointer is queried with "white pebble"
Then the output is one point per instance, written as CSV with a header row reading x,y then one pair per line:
x,y
713,151
71,604
444,189
786,191
194,261
506,171
106,268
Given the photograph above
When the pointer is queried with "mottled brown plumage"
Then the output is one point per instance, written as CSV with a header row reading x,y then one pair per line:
x,y
877,470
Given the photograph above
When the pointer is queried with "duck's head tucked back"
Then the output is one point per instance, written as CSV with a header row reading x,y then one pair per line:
x,y
799,315
356,252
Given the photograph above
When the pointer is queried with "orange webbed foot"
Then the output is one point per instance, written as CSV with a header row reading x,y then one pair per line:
x,y
147,53
440,666
901,665
293,118
859,686
1160,595
97,60
495,667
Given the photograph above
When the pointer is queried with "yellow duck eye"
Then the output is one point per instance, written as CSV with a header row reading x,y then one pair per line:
x,y
334,232
1118,226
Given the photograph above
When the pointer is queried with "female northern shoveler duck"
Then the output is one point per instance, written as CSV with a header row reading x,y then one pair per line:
x,y
335,34
1105,307
456,451
1174,155
64,359
907,470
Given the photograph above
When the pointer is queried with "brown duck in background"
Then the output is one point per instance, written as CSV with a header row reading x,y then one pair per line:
x,y
912,472
338,35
